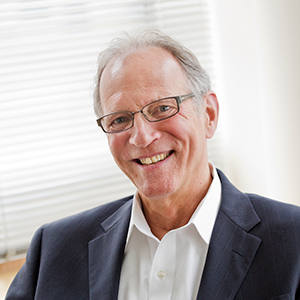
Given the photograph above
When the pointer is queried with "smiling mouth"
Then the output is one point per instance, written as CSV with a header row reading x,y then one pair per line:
x,y
154,159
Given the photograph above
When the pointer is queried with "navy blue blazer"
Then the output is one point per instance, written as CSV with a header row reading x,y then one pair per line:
x,y
254,253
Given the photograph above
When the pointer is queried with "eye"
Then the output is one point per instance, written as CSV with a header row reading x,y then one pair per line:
x,y
161,109
117,121
164,108
120,120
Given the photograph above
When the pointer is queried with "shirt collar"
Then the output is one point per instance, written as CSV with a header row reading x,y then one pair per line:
x,y
205,215
203,218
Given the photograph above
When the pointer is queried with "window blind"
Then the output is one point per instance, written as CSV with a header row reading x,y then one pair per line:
x,y
54,160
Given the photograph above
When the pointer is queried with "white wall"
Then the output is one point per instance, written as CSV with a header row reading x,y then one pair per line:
x,y
257,46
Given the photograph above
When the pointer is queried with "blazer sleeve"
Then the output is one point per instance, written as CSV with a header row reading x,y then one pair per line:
x,y
23,286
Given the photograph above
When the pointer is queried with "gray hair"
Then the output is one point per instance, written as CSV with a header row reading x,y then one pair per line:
x,y
197,78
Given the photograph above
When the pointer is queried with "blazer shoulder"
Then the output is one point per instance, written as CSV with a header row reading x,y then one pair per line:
x,y
88,223
274,210
58,257
248,210
279,226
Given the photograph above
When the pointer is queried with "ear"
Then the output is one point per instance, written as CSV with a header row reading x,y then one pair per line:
x,y
212,113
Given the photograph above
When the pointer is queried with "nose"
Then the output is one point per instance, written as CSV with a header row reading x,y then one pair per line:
x,y
143,133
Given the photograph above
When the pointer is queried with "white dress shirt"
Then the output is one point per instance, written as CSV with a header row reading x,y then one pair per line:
x,y
170,268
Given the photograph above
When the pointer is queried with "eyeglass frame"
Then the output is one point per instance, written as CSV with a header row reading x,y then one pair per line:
x,y
179,100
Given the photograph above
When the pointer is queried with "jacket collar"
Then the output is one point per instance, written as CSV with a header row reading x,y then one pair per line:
x,y
232,247
106,255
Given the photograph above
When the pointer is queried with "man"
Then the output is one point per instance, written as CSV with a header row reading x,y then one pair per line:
x,y
187,233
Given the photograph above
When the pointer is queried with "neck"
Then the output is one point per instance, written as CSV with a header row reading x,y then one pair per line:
x,y
175,211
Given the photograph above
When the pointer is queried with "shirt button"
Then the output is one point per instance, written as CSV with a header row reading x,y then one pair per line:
x,y
161,274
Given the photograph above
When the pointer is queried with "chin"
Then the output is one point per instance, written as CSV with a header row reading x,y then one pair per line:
x,y
156,193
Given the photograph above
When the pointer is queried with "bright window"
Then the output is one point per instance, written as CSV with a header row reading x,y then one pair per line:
x,y
54,159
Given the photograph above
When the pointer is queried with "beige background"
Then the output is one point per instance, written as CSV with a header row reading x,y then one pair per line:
x,y
7,273
257,46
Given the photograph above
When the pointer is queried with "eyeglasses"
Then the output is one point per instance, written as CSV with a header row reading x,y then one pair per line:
x,y
153,112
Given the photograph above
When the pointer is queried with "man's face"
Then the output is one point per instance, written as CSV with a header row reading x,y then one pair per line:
x,y
128,84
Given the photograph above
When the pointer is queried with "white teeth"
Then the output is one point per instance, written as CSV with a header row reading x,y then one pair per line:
x,y
153,159
148,161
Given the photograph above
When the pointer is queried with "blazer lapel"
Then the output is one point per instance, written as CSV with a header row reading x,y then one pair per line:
x,y
106,255
232,248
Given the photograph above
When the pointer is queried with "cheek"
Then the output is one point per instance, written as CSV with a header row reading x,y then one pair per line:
x,y
192,136
115,146
120,150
